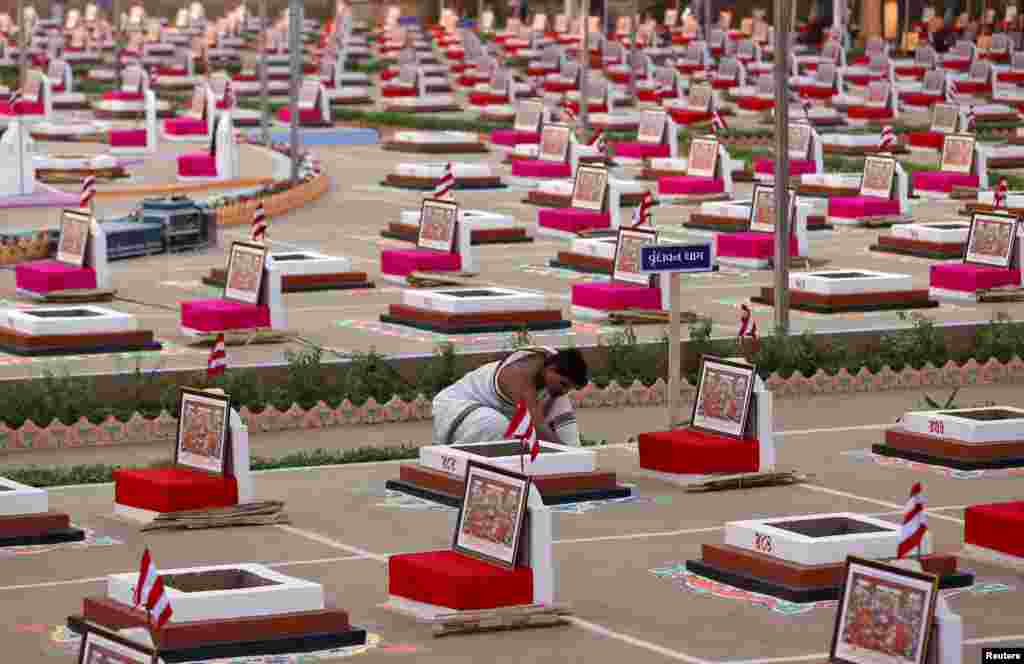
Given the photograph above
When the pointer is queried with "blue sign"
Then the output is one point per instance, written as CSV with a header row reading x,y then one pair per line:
x,y
676,258
408,20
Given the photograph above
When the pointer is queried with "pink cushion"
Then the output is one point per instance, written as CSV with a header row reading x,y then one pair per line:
x,y
402,262
24,107
638,150
920,98
757,103
535,168
615,296
217,314
690,184
128,138
514,137
687,117
926,139
797,167
869,112
856,207
573,220
50,275
486,98
942,181
306,115
197,164
121,95
752,244
57,87
185,126
969,278
959,64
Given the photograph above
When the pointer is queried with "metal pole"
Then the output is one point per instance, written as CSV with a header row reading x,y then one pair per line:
x,y
295,53
584,65
22,45
674,341
264,82
632,47
781,168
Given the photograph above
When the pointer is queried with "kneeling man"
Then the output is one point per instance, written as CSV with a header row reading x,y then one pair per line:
x,y
481,405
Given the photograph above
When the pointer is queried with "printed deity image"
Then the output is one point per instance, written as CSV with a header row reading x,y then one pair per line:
x,y
958,153
883,618
629,253
554,143
722,395
877,175
202,426
765,213
73,238
491,511
590,187
702,156
436,223
990,238
245,271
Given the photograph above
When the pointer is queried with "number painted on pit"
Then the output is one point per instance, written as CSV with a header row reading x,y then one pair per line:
x,y
936,426
448,464
763,543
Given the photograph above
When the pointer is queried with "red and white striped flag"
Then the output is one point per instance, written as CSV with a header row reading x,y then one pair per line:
x,y
970,119
597,141
259,225
888,139
915,523
717,122
999,198
642,215
150,593
755,343
570,116
12,102
88,192
229,96
218,361
521,427
446,184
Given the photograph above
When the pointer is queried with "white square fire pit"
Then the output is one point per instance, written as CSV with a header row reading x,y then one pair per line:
x,y
554,459
849,282
947,232
17,498
68,320
224,592
293,263
992,424
817,539
603,247
473,300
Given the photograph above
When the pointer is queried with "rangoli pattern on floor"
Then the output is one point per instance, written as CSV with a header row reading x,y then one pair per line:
x,y
694,583
92,539
951,473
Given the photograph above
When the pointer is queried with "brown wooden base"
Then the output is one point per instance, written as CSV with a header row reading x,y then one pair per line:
x,y
425,184
654,173
450,108
862,150
827,192
1006,162
436,148
972,207
548,485
446,319
816,302
12,341
297,283
582,263
911,247
97,137
935,446
32,525
56,175
131,114
409,232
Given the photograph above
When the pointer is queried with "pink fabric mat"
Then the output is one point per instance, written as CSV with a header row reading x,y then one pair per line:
x,y
796,166
121,95
513,137
535,168
751,244
185,126
128,138
197,164
401,262
306,116
942,181
856,207
217,314
47,276
689,184
573,220
638,150
968,278
614,296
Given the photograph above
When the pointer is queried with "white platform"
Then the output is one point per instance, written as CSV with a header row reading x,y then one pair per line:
x,y
108,321
114,106
17,498
946,424
603,247
761,536
835,180
475,219
453,461
446,300
872,282
287,595
66,99
69,130
314,263
414,104
617,121
59,162
933,232
435,170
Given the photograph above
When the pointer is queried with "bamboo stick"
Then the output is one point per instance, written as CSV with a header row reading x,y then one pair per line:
x,y
747,480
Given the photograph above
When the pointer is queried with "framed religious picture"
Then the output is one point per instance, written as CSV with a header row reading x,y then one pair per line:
x,y
990,240
700,97
762,208
626,265
74,237
528,116
702,158
879,173
103,646
245,272
945,118
652,127
438,224
554,143
885,614
308,93
724,391
878,93
800,134
198,107
490,524
590,188
957,153
202,430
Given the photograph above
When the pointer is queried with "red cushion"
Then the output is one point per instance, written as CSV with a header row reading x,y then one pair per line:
x,y
973,88
592,107
248,77
996,526
690,184
686,116
402,262
49,275
197,164
693,452
513,137
307,116
968,278
56,87
173,489
486,98
797,167
535,168
185,126
399,91
958,65
455,581
23,107
181,71
752,244
615,296
558,86
121,95
911,71
128,138
757,104
926,139
638,150
857,207
471,79
573,220
869,112
941,181
814,92
920,98
218,314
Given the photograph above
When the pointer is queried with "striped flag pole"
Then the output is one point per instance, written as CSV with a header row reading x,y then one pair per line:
x,y
999,198
744,321
88,193
642,216
446,184
521,427
218,362
259,224
717,122
887,139
150,593
915,523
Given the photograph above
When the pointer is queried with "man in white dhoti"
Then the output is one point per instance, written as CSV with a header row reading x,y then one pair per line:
x,y
479,407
